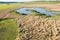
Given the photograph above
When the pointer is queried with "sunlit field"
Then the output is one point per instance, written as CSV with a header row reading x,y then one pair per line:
x,y
8,29
28,4
35,26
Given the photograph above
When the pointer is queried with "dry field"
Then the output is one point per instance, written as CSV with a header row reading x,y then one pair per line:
x,y
38,28
53,7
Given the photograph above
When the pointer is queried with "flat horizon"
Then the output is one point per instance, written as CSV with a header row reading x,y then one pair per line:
x,y
16,0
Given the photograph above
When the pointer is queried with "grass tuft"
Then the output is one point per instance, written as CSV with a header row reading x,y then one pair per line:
x,y
8,29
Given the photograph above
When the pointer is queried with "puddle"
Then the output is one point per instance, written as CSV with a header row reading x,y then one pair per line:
x,y
37,10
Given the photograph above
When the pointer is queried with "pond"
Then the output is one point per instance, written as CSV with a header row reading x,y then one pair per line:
x,y
37,10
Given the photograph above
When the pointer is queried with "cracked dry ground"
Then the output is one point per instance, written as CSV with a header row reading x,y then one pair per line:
x,y
38,28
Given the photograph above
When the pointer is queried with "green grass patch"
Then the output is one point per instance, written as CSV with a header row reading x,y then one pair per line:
x,y
15,12
8,29
9,7
43,2
56,16
39,14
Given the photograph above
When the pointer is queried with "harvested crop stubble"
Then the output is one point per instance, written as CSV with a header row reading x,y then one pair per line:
x,y
38,28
